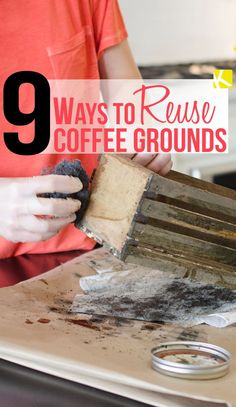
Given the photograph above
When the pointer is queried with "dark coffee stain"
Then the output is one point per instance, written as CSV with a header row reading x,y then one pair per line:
x,y
119,322
60,306
83,322
55,309
27,321
43,281
150,327
135,337
188,334
44,320
98,319
111,321
58,310
65,302
77,275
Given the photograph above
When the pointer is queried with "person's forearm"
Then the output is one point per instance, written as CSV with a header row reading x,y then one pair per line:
x,y
118,63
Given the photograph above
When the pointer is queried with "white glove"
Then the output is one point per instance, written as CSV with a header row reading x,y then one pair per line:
x,y
25,217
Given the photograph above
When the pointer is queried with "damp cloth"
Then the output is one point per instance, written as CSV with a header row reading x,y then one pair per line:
x,y
153,295
73,169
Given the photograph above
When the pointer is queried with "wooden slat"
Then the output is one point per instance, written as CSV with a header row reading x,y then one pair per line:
x,y
198,225
200,184
191,267
201,200
173,242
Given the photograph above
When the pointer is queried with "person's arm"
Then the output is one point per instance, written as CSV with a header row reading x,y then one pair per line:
x,y
118,63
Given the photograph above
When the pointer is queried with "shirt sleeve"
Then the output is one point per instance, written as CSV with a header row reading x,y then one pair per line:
x,y
108,24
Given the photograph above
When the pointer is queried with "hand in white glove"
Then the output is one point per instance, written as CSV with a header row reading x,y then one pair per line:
x,y
26,217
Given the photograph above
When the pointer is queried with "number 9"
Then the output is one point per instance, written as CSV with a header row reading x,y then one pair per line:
x,y
40,114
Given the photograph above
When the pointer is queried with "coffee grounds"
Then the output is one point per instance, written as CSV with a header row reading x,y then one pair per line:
x,y
165,300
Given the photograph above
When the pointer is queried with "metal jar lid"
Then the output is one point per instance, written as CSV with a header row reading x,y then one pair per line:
x,y
190,360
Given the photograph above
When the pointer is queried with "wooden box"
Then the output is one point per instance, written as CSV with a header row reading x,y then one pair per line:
x,y
173,222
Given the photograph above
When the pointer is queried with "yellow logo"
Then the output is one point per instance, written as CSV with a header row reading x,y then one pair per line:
x,y
223,78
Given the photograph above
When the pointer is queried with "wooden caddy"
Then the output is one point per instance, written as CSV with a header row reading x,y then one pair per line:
x,y
174,222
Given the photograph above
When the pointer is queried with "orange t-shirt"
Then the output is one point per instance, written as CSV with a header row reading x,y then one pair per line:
x,y
61,39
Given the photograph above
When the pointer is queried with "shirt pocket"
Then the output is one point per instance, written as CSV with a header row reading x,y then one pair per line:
x,y
76,57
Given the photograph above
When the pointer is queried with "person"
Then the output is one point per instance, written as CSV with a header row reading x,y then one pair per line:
x,y
61,39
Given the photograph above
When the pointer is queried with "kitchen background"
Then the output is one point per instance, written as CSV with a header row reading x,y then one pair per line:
x,y
188,39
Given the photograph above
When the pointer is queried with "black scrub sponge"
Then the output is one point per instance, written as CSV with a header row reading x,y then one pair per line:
x,y
73,169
